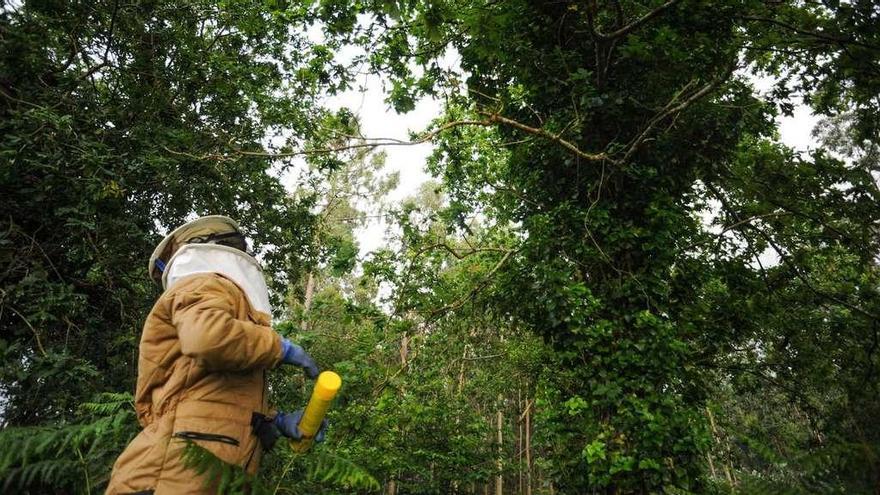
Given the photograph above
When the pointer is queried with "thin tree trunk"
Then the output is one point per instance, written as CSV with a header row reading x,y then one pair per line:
x,y
307,300
529,447
519,446
404,349
499,480
711,465
715,438
391,488
461,369
458,392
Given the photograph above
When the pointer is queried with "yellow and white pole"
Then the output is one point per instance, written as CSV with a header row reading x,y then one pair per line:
x,y
326,386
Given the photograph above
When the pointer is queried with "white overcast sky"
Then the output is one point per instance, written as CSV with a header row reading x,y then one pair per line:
x,y
379,120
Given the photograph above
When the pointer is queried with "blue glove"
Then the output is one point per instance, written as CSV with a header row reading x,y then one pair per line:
x,y
288,424
294,354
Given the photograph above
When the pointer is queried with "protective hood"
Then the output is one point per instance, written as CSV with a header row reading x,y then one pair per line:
x,y
233,264
211,224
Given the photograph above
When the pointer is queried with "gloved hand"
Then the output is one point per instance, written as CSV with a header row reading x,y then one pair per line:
x,y
288,424
294,354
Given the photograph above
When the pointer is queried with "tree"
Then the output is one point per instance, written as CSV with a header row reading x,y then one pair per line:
x,y
617,243
107,111
619,123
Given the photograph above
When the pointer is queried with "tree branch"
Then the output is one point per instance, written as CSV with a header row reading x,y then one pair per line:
x,y
737,224
813,34
33,330
494,117
671,108
457,254
479,287
491,120
786,260
636,23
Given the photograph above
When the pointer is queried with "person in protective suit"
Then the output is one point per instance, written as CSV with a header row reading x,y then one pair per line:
x,y
204,352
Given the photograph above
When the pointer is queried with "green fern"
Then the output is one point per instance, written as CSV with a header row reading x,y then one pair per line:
x,y
230,479
319,467
77,456
108,403
326,468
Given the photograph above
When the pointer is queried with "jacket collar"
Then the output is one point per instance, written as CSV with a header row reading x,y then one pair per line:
x,y
233,264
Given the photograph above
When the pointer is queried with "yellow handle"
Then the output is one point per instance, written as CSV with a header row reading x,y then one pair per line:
x,y
325,389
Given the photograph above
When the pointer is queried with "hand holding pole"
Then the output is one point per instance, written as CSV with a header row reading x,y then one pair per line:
x,y
326,386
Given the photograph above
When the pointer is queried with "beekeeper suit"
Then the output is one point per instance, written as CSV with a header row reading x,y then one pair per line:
x,y
204,352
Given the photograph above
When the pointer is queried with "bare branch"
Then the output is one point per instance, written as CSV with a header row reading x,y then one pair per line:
x,y
494,117
491,120
110,32
636,23
814,34
673,108
22,102
33,330
373,142
460,255
476,290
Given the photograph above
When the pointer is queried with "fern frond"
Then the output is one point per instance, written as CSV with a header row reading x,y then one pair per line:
x,y
324,467
108,403
67,455
46,473
228,478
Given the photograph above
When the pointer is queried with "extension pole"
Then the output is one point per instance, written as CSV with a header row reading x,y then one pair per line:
x,y
326,386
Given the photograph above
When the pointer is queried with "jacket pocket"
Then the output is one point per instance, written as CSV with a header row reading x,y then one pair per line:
x,y
219,435
207,437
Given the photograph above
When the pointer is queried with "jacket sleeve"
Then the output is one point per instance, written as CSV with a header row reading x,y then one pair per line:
x,y
209,331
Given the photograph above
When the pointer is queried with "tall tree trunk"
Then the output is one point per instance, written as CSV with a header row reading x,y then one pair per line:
x,y
458,393
715,439
529,447
404,349
461,369
519,446
307,300
391,488
499,480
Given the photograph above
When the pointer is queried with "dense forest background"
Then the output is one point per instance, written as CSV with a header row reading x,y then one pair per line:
x,y
620,281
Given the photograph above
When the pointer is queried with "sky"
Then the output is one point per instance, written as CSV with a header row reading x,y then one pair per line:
x,y
379,120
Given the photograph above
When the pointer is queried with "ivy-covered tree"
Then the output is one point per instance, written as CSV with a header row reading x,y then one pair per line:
x,y
621,282
621,126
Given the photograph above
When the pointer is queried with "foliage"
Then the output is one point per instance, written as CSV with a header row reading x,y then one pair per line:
x,y
73,456
106,111
605,133
221,477
619,269
319,467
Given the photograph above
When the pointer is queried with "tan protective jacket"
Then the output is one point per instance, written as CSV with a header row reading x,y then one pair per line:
x,y
201,375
